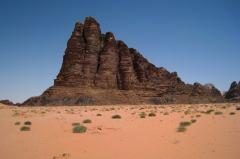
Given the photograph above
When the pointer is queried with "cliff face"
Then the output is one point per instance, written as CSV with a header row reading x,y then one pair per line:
x,y
234,91
95,60
98,69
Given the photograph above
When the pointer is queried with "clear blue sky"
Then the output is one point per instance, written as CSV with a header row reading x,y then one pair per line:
x,y
200,39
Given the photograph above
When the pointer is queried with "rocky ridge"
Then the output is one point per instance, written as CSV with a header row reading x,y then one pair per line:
x,y
6,102
234,91
98,69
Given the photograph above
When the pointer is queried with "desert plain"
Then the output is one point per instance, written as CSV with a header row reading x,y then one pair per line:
x,y
197,131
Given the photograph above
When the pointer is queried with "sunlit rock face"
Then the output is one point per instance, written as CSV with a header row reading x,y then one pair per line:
x,y
99,68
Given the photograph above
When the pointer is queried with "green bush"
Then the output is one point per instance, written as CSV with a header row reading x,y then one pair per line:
x,y
185,123
181,129
79,129
183,126
209,111
142,115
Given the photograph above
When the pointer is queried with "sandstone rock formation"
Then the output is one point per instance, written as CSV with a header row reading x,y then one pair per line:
x,y
98,69
6,102
234,91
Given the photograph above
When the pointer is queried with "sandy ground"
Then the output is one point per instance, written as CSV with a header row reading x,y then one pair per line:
x,y
214,135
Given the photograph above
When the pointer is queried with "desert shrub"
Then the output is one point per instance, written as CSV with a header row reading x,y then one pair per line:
x,y
151,114
193,120
17,123
238,108
181,129
99,114
75,124
142,115
232,113
79,129
27,123
218,113
209,111
25,128
87,121
116,117
185,123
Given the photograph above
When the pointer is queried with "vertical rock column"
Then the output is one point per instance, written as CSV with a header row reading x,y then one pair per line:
x,y
106,76
92,35
71,73
127,79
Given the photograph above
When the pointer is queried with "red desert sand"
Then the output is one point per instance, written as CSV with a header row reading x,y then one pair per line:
x,y
204,131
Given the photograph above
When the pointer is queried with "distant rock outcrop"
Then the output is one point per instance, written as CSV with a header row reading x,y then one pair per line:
x,y
98,69
234,91
6,102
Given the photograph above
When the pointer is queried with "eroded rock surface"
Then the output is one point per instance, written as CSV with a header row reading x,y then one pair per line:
x,y
6,102
234,91
102,70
